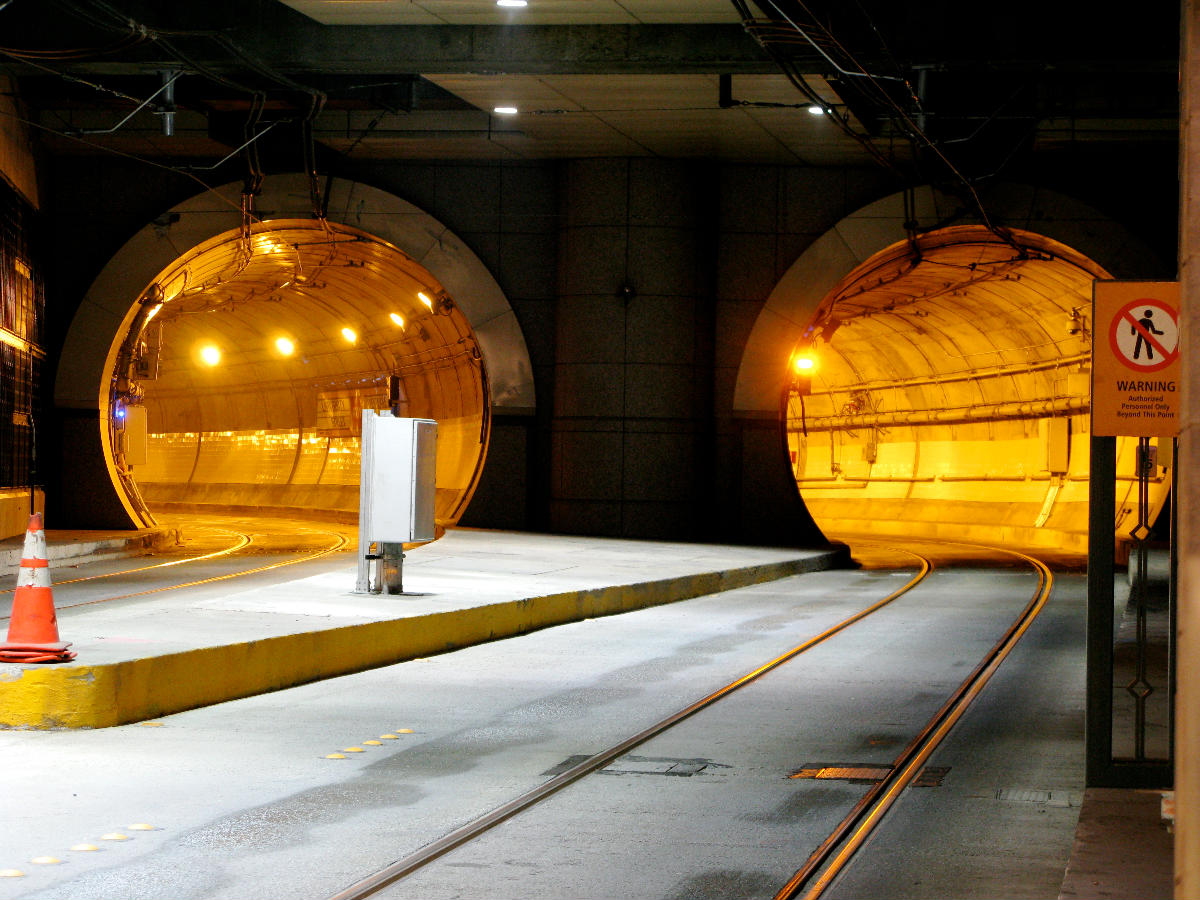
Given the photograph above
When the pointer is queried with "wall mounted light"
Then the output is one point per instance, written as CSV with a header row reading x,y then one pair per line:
x,y
210,354
397,319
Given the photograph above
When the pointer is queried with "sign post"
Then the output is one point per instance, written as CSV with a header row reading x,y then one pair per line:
x,y
1136,371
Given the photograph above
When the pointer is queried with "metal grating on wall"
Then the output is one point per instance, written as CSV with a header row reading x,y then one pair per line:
x,y
22,308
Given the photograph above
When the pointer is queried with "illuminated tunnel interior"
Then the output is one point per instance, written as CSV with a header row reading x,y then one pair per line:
x,y
241,381
948,395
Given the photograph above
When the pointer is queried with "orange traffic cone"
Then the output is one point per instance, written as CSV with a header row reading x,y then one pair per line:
x,y
33,628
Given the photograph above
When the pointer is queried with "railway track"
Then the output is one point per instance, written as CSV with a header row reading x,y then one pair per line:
x,y
836,851
241,543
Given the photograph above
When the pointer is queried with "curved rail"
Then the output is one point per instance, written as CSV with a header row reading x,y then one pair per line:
x,y
340,541
867,814
243,540
411,863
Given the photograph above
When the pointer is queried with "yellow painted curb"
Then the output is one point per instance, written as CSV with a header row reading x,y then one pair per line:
x,y
99,696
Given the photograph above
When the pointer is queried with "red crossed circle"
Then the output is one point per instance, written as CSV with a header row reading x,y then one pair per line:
x,y
1125,319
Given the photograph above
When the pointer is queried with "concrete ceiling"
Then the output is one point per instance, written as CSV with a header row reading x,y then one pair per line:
x,y
928,91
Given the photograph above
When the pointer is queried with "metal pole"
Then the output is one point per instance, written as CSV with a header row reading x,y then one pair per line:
x,y
1101,549
363,583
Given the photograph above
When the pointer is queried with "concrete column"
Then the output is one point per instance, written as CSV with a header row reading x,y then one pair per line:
x,y
768,216
1187,702
633,362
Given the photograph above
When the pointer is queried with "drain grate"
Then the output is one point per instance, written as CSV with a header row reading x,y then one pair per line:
x,y
858,773
1060,799
642,765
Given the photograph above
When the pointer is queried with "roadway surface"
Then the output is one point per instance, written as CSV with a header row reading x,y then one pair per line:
x,y
243,799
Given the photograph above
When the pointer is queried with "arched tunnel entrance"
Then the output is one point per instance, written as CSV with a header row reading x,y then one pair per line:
x,y
221,362
942,389
242,378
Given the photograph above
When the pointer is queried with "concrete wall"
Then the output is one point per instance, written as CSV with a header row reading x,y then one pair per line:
x,y
635,431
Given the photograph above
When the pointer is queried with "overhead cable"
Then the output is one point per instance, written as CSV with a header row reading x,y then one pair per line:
x,y
914,133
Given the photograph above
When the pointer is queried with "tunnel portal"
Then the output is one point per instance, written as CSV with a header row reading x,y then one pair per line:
x,y
943,390
241,380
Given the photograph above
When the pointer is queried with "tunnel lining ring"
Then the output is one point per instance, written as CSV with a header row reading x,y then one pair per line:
x,y
110,305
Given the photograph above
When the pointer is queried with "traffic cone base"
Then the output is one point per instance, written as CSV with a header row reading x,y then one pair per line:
x,y
33,626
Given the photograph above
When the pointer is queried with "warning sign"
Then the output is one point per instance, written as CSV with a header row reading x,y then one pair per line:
x,y
1135,358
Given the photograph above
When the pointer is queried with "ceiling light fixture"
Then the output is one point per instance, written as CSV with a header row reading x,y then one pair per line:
x,y
506,110
284,346
397,320
210,354
425,299
514,3
349,335
816,110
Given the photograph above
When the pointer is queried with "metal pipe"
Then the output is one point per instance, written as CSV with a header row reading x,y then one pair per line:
x,y
966,375
142,106
960,415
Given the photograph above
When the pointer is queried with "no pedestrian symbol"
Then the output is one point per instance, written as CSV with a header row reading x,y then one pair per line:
x,y
1144,335
1136,365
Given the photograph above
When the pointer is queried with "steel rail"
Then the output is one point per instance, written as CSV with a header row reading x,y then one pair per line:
x,y
243,540
340,542
867,814
406,866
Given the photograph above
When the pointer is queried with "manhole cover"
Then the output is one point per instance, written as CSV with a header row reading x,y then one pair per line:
x,y
642,765
1048,798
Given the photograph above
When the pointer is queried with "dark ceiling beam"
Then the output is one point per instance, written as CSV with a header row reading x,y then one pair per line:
x,y
299,48
526,50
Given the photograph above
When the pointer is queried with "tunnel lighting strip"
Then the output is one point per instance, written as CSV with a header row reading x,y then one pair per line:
x,y
341,542
18,343
874,805
408,865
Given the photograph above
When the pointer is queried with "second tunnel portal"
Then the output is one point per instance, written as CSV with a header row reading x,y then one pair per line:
x,y
943,390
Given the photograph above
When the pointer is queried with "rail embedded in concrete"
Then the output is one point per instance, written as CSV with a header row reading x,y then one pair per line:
x,y
116,693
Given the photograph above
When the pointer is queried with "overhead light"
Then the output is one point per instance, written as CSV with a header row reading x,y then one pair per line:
x,y
512,2
397,320
425,299
805,364
506,110
284,346
349,335
816,110
210,354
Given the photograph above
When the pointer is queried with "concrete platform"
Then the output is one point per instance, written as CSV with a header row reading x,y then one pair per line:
x,y
1124,847
171,652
